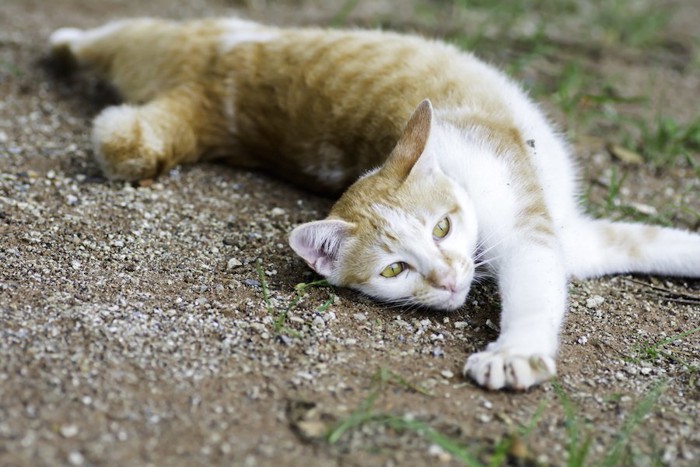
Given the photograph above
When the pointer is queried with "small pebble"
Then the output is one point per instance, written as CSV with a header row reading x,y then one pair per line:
x,y
75,458
277,212
318,322
595,301
436,451
69,431
233,263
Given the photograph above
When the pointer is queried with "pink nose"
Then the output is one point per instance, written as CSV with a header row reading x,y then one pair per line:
x,y
447,283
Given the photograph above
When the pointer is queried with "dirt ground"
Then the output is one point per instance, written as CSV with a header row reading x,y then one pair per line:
x,y
134,327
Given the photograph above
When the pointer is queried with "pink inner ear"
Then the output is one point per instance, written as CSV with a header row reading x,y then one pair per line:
x,y
318,243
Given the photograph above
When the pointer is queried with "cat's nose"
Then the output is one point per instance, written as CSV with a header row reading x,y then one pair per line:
x,y
443,279
447,283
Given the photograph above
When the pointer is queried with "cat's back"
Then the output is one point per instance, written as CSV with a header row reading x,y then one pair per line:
x,y
333,102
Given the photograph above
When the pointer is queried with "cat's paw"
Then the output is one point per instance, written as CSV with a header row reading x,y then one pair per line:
x,y
499,369
126,146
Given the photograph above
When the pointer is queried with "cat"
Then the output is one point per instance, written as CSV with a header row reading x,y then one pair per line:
x,y
442,164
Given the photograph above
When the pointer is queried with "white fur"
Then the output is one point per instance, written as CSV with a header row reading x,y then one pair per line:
x,y
63,37
532,276
74,39
241,31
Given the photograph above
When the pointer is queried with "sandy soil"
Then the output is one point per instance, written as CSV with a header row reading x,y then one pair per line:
x,y
133,325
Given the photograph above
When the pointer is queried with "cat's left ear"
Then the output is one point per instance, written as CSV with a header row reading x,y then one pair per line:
x,y
318,243
412,142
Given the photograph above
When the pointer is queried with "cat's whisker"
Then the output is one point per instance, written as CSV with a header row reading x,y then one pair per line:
x,y
480,254
403,302
485,262
483,241
483,279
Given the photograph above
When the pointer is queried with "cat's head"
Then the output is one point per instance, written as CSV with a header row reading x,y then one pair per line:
x,y
404,233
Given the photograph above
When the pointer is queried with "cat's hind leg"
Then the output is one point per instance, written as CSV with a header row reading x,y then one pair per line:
x,y
599,247
140,57
137,142
94,48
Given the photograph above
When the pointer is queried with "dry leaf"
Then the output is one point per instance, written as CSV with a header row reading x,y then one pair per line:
x,y
625,155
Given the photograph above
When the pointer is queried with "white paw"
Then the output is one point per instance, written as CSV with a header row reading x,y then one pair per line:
x,y
500,369
126,146
64,37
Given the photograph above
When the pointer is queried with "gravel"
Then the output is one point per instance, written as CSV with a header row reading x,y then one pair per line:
x,y
134,329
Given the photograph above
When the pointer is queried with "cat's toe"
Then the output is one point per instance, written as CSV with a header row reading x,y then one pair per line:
x,y
502,369
486,369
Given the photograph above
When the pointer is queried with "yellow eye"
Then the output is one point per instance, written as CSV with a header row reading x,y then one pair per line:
x,y
394,269
442,228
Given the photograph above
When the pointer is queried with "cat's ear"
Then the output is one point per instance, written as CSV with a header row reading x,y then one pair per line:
x,y
318,243
412,142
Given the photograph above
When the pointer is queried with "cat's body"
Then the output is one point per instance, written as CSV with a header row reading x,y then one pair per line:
x,y
477,177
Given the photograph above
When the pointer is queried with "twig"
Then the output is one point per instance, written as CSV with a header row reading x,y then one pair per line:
x,y
694,298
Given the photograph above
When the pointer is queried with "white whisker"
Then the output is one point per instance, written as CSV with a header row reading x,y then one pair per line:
x,y
478,254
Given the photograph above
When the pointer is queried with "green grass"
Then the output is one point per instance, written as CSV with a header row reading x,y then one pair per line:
x,y
614,186
341,17
618,452
10,68
614,208
580,437
365,415
665,140
652,351
280,316
631,22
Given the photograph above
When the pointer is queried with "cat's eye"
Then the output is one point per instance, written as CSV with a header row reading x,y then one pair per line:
x,y
441,229
394,269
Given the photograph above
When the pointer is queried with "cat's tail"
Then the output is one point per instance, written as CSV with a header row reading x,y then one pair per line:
x,y
599,247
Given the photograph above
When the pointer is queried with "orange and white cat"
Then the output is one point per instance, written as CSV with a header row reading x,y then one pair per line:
x,y
457,167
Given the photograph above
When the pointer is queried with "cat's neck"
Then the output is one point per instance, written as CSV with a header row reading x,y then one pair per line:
x,y
463,139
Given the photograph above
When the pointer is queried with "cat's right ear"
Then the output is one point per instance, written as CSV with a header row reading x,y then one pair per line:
x,y
412,142
318,243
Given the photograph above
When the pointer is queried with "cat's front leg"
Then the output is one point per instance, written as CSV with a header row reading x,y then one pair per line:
x,y
532,283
